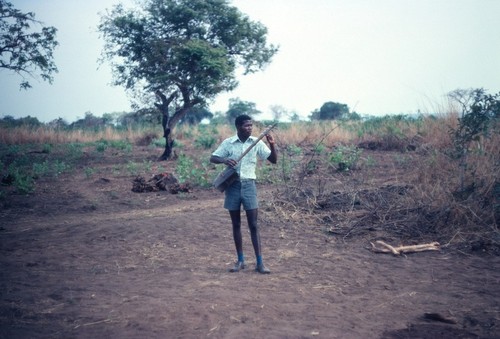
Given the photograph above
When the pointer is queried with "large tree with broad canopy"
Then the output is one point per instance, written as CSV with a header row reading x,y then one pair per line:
x,y
23,49
184,51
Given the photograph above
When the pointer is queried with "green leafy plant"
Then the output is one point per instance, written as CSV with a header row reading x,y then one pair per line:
x,y
60,167
74,150
207,137
101,146
345,158
22,180
158,142
147,165
205,141
480,114
121,145
41,169
319,148
188,170
294,149
24,183
132,167
46,148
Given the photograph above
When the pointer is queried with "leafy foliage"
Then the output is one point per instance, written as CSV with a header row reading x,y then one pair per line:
x,y
207,137
480,111
190,170
22,50
330,111
11,122
186,47
238,107
90,122
345,158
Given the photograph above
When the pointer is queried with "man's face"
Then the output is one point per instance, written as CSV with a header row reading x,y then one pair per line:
x,y
245,130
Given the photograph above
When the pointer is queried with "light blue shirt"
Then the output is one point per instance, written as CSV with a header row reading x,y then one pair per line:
x,y
233,147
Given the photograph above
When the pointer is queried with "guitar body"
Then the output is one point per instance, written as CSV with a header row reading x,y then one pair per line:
x,y
225,179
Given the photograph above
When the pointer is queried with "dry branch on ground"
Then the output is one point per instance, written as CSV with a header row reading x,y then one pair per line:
x,y
386,248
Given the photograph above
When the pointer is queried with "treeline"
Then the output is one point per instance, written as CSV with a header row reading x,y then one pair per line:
x,y
147,117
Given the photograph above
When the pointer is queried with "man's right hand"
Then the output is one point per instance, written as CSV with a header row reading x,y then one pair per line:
x,y
230,162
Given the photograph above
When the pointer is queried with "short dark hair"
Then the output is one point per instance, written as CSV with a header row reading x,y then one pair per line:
x,y
239,120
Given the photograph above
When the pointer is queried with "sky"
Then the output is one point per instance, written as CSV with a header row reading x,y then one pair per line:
x,y
378,57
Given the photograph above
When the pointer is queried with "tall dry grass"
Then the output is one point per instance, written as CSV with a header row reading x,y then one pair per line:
x,y
432,193
48,135
300,134
329,133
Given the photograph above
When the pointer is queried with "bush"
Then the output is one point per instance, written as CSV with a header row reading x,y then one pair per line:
x,y
345,158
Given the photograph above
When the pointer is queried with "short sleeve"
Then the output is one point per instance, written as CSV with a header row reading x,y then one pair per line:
x,y
222,151
263,152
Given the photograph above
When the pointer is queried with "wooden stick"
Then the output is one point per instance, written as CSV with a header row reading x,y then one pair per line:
x,y
392,249
386,248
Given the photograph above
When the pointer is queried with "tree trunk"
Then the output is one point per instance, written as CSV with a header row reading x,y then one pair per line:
x,y
168,122
165,123
169,145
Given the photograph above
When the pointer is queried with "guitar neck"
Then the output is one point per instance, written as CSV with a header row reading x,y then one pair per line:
x,y
262,135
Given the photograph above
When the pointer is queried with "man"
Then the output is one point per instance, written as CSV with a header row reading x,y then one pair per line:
x,y
243,191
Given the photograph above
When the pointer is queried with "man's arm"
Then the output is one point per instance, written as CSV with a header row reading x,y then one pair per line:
x,y
273,157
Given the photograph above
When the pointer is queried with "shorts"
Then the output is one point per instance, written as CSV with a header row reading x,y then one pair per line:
x,y
241,192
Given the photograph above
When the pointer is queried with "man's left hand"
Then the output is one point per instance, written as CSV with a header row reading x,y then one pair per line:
x,y
270,139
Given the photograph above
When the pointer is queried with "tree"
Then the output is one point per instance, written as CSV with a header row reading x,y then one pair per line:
x,y
9,121
278,112
90,121
330,111
238,107
23,50
480,114
184,51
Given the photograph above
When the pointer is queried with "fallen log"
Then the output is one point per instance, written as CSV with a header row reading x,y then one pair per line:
x,y
386,248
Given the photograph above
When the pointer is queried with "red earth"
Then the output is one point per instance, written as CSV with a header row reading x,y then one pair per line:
x,y
85,257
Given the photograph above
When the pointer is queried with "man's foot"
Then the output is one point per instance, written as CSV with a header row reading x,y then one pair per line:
x,y
262,269
238,266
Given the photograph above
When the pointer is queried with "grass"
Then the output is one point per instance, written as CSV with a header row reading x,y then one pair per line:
x,y
432,192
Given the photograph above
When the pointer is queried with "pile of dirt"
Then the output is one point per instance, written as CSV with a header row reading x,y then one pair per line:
x,y
160,182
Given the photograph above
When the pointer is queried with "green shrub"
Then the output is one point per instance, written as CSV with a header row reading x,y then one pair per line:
x,y
41,169
294,150
194,172
46,148
74,150
205,141
345,158
123,145
101,146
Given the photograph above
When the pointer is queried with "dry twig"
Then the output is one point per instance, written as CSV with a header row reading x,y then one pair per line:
x,y
386,248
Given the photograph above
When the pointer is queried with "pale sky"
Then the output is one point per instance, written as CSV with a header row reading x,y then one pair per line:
x,y
377,56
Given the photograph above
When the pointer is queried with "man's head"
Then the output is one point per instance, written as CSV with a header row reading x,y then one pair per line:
x,y
240,119
244,126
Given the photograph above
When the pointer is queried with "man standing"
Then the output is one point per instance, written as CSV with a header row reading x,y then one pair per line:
x,y
243,191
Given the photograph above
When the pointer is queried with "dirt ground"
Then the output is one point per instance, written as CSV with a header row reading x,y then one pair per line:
x,y
88,258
